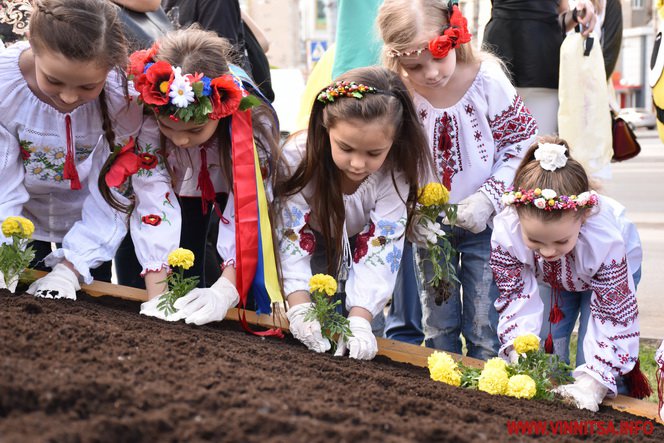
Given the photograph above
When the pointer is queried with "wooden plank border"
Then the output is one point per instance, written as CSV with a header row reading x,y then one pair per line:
x,y
392,349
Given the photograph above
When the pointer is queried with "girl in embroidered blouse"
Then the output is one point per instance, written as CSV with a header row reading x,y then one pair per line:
x,y
66,107
351,179
477,127
187,80
558,232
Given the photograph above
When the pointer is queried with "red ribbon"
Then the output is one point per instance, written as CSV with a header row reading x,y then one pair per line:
x,y
205,184
70,172
246,212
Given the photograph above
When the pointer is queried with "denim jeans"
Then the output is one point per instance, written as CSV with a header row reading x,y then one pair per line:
x,y
573,305
404,319
469,310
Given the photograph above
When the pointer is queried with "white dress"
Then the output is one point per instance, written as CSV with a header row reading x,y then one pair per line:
x,y
375,212
33,148
478,143
607,253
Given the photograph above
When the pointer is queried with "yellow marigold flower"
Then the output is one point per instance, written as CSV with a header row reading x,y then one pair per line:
x,y
493,381
496,363
182,258
18,226
521,386
442,367
433,194
526,343
323,283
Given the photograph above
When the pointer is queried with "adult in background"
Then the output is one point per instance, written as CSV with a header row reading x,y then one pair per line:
x,y
526,35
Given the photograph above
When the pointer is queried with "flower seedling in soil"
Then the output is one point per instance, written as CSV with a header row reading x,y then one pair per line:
x,y
323,287
16,255
178,286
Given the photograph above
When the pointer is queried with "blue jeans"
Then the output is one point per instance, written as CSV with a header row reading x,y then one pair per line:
x,y
474,315
573,305
404,320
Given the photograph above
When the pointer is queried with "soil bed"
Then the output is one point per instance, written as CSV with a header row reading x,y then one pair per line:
x,y
95,370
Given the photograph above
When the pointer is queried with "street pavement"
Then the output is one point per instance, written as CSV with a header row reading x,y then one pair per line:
x,y
639,185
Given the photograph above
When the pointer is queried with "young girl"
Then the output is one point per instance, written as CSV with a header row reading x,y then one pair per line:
x,y
559,232
343,195
195,94
477,128
67,109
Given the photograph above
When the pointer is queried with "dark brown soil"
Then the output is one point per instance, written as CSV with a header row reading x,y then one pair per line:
x,y
94,370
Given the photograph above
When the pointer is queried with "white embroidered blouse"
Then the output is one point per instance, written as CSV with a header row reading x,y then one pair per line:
x,y
375,213
478,143
607,254
33,148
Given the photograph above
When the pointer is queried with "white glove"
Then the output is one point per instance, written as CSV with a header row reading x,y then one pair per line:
x,y
362,345
12,284
205,305
61,282
150,309
585,392
425,231
473,212
513,356
307,331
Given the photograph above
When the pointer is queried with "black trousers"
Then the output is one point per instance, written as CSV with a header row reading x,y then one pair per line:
x,y
198,234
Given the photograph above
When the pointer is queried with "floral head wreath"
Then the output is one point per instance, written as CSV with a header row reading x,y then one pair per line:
x,y
344,89
551,156
168,91
455,34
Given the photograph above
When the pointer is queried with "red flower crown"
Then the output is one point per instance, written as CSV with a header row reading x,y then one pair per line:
x,y
455,34
185,97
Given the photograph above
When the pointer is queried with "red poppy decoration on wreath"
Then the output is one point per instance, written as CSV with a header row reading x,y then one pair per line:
x,y
454,35
226,97
125,164
148,161
155,85
152,220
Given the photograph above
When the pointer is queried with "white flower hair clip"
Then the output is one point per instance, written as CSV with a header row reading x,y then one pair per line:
x,y
551,156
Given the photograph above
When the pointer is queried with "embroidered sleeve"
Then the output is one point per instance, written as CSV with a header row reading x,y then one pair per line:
x,y
226,237
12,192
611,345
659,356
378,250
518,304
94,238
514,130
297,243
155,222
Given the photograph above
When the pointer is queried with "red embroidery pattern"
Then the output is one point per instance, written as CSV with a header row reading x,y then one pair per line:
x,y
495,189
307,237
614,301
362,243
515,124
507,274
446,153
152,220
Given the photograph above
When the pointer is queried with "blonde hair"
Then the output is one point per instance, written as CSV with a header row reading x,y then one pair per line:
x,y
401,21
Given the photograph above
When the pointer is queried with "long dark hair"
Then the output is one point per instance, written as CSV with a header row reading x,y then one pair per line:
x,y
409,152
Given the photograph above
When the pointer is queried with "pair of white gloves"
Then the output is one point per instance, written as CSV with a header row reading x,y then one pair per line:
x,y
200,306
362,345
473,213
